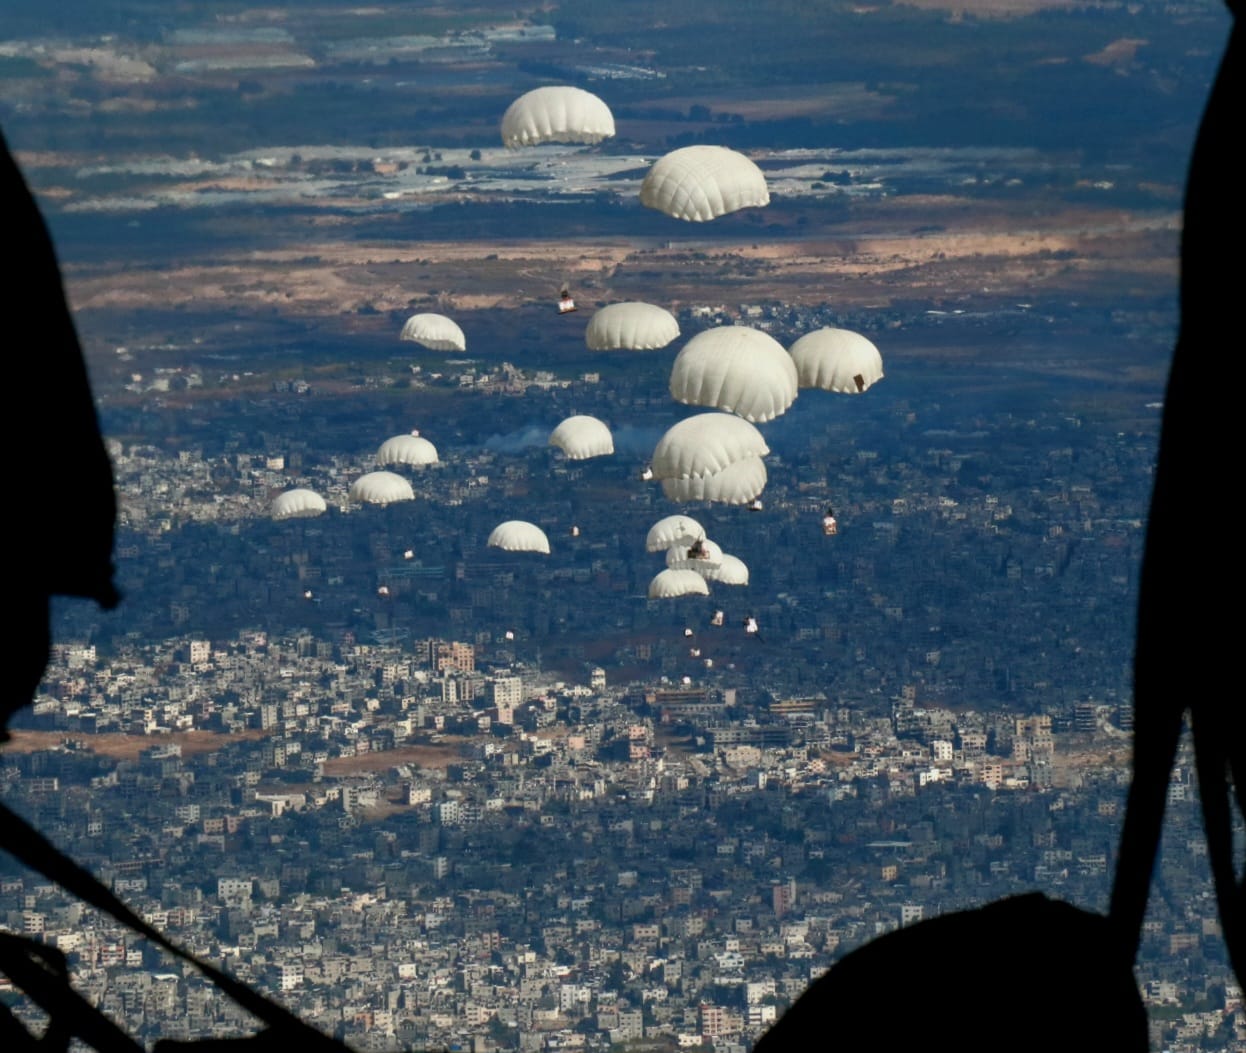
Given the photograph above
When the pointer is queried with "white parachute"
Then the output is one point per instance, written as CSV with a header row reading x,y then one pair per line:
x,y
673,530
737,484
516,535
699,183
381,488
678,557
631,326
434,331
298,503
556,114
704,445
581,437
668,584
837,360
735,369
407,449
730,571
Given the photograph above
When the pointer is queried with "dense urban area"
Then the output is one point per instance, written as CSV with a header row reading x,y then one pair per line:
x,y
500,804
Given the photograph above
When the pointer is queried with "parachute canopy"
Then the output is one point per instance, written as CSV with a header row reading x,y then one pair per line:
x,y
559,114
296,503
515,535
406,449
837,360
677,557
673,530
668,584
582,437
434,331
699,183
705,444
737,484
381,488
731,571
631,326
736,369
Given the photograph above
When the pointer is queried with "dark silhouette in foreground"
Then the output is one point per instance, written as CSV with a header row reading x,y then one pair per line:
x,y
1024,974
1032,974
63,547
61,544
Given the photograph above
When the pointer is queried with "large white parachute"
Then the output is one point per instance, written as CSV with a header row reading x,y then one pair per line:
x,y
434,331
668,584
407,449
558,114
516,535
699,183
296,503
704,445
673,530
631,326
737,484
837,360
735,369
581,437
381,488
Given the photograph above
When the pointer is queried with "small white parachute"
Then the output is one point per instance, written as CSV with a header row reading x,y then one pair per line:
x,y
381,488
678,557
730,571
668,584
434,331
556,114
407,449
631,326
298,503
673,530
837,360
699,183
581,437
706,444
737,484
736,369
516,535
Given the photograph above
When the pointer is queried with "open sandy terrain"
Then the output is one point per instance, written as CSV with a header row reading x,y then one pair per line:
x,y
439,755
867,268
121,746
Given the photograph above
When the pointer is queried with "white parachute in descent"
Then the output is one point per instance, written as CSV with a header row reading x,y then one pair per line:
x,y
704,445
631,327
700,556
298,503
556,114
516,535
406,449
581,437
737,484
731,571
434,331
735,369
673,530
381,488
699,183
668,584
837,360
